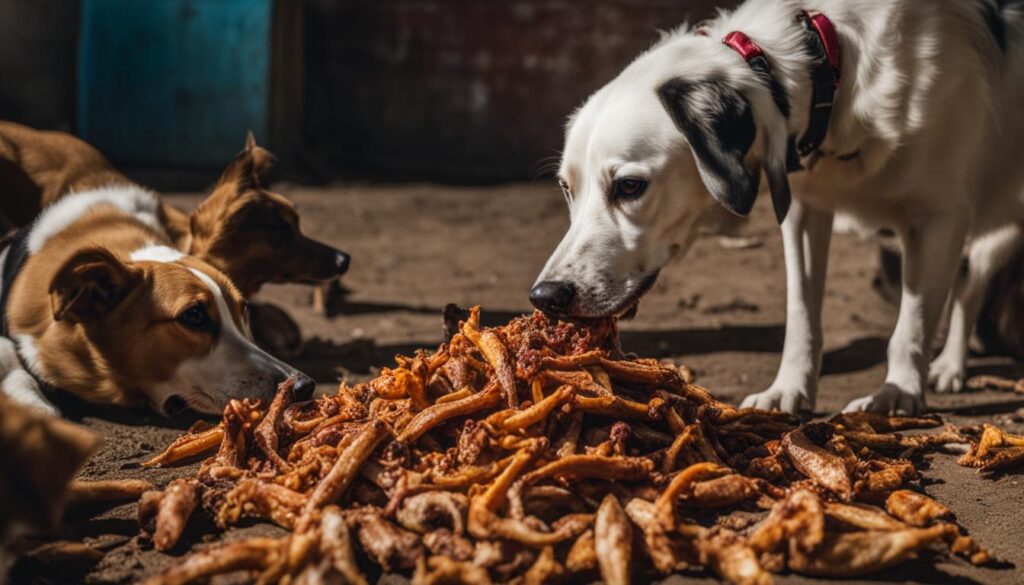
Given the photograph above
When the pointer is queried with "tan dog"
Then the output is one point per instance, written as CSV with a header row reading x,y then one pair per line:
x,y
247,232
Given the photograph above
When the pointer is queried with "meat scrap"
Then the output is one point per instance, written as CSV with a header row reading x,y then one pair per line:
x,y
538,452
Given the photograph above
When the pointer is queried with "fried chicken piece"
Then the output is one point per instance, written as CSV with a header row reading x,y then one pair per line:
x,y
345,469
164,514
725,492
445,543
239,418
337,562
389,546
581,380
582,556
862,517
682,485
545,569
644,373
539,411
731,557
693,440
605,467
876,478
613,542
996,383
796,523
430,510
265,434
440,570
106,490
619,408
572,362
432,416
667,553
815,462
259,498
856,553
876,422
394,384
188,445
996,450
917,509
255,554
496,354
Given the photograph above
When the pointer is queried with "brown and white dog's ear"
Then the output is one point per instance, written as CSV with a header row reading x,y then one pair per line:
x,y
718,122
90,285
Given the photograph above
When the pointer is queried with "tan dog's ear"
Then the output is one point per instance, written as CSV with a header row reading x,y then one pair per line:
x,y
262,159
245,171
90,285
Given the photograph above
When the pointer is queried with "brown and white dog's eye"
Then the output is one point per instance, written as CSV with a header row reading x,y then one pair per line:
x,y
195,317
628,189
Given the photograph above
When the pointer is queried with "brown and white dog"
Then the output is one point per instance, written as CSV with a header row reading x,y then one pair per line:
x,y
99,303
247,232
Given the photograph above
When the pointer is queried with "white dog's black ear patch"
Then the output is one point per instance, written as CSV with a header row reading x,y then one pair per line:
x,y
719,125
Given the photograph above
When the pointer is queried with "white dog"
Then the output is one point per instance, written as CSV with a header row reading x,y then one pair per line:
x,y
922,136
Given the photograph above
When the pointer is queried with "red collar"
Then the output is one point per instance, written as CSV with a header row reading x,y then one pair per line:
x,y
827,62
818,22
826,30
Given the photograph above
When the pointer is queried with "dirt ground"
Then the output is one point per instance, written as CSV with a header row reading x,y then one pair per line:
x,y
721,311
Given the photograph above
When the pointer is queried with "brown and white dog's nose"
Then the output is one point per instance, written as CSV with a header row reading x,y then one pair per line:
x,y
303,388
553,296
341,261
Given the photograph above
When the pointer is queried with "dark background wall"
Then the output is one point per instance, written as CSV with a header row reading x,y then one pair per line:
x,y
464,89
38,40
456,90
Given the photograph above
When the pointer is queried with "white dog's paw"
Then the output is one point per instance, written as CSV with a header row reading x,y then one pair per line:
x,y
890,399
946,374
791,400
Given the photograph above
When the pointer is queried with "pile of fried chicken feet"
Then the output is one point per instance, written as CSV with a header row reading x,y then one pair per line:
x,y
536,452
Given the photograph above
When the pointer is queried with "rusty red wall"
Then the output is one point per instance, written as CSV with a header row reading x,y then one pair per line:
x,y
472,90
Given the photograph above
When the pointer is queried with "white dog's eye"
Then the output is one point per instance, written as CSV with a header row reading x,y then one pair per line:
x,y
628,189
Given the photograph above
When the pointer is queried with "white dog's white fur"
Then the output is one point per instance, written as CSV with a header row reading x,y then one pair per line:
x,y
929,104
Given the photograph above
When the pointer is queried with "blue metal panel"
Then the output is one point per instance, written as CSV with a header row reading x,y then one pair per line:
x,y
173,82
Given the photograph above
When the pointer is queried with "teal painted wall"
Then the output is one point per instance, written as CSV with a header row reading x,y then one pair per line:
x,y
173,82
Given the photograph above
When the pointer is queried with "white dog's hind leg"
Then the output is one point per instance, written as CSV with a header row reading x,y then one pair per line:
x,y
17,384
931,255
986,257
806,235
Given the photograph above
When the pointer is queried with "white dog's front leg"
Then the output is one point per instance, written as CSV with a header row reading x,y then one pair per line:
x,y
986,257
931,255
806,235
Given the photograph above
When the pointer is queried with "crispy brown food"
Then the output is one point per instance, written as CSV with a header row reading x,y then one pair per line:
x,y
165,514
613,541
996,450
536,452
996,383
110,490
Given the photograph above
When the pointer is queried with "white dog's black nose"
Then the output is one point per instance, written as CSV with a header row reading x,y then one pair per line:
x,y
553,296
